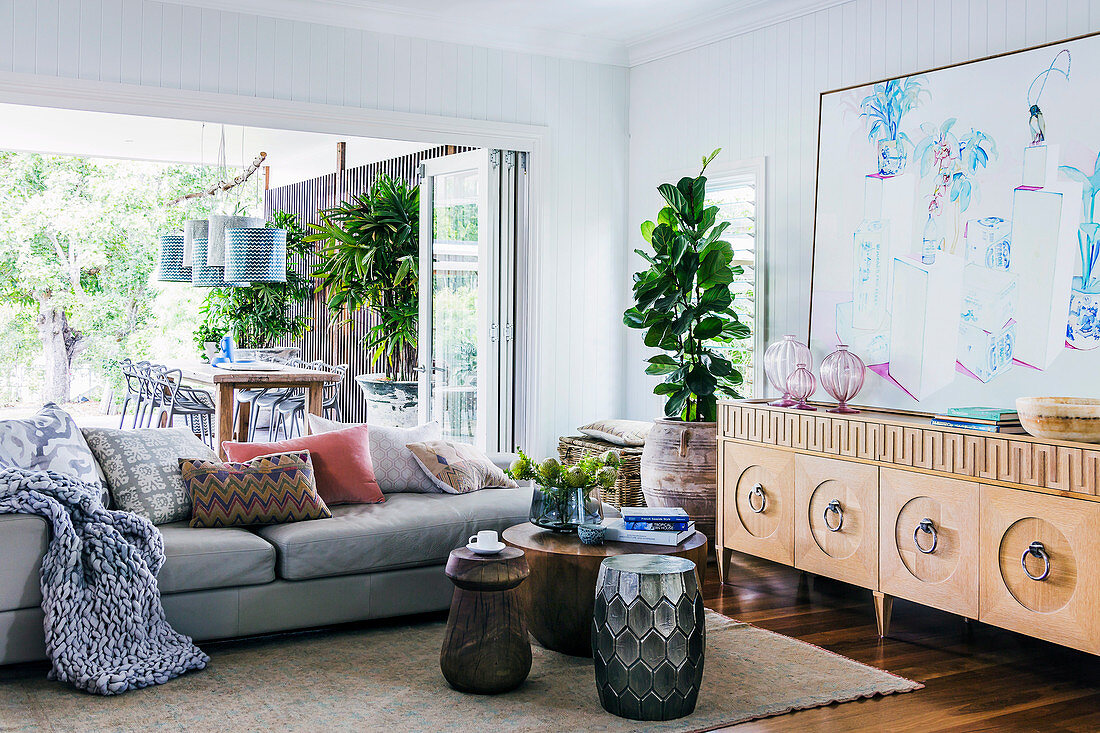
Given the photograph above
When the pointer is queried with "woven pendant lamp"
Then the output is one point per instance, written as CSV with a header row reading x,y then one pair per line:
x,y
170,267
255,254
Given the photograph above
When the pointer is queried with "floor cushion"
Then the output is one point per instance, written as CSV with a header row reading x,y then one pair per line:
x,y
407,531
200,559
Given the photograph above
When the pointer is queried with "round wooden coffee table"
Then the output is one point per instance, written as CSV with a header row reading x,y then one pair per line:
x,y
560,594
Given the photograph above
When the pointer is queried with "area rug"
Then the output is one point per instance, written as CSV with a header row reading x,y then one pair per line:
x,y
387,678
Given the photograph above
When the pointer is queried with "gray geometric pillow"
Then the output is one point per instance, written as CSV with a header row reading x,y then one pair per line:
x,y
50,441
143,472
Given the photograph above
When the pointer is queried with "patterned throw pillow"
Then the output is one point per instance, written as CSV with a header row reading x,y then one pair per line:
x,y
394,466
457,468
142,467
50,441
266,490
627,433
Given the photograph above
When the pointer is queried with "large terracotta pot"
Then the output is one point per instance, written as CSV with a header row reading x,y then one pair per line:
x,y
680,468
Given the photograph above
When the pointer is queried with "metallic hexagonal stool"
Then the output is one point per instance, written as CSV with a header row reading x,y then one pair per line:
x,y
648,636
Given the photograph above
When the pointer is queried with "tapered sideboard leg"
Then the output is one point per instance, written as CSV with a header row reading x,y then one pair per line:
x,y
724,558
884,605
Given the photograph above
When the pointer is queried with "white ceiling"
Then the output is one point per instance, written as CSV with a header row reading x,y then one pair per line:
x,y
293,156
621,32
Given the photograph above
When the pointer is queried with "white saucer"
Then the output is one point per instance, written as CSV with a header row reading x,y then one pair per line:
x,y
479,550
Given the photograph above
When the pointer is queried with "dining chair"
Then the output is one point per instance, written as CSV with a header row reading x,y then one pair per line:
x,y
132,377
262,400
290,412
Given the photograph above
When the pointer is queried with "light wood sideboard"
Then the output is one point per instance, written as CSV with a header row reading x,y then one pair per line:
x,y
1004,529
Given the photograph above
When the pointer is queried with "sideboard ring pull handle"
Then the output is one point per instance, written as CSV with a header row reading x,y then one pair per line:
x,y
833,507
1036,549
926,525
757,490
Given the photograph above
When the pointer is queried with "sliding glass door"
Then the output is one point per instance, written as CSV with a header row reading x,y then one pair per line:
x,y
466,298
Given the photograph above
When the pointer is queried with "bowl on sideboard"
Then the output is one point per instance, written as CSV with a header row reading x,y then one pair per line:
x,y
1061,418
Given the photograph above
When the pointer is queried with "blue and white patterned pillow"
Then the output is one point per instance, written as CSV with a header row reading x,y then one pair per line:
x,y
50,440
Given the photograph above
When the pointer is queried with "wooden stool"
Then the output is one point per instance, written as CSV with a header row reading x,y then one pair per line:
x,y
486,649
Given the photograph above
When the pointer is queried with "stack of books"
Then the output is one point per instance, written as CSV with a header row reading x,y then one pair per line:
x,y
651,526
985,419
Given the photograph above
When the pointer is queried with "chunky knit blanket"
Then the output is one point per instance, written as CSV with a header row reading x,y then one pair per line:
x,y
105,626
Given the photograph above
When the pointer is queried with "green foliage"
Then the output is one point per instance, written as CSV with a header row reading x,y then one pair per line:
x,y
684,304
79,238
457,223
369,253
259,316
554,479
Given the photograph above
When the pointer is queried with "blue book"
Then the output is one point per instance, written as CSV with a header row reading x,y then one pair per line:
x,y
657,525
987,414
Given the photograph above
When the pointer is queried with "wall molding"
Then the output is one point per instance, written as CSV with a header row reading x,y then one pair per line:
x,y
735,18
719,26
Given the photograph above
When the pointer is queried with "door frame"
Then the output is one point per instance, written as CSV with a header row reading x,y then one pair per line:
x,y
488,297
186,104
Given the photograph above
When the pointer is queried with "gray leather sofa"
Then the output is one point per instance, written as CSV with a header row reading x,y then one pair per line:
x,y
368,561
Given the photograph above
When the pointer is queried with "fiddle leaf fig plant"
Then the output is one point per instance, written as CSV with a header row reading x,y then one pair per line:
x,y
684,304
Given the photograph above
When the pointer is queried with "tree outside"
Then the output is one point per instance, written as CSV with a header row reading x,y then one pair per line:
x,y
78,249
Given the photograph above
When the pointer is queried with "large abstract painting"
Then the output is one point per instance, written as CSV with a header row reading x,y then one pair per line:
x,y
957,237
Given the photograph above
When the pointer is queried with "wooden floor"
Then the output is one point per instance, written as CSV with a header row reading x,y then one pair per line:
x,y
977,677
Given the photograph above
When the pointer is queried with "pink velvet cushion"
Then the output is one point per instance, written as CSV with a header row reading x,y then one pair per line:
x,y
341,463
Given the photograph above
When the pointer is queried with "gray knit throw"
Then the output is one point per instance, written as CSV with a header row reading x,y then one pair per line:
x,y
105,626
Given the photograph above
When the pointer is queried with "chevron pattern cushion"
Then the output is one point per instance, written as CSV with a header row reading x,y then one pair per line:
x,y
458,468
270,489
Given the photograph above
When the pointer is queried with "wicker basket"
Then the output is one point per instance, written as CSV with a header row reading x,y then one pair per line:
x,y
628,488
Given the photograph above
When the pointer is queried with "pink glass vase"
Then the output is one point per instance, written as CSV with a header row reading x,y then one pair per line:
x,y
780,360
842,375
800,385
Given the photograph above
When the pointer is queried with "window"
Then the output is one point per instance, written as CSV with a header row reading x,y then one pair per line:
x,y
737,195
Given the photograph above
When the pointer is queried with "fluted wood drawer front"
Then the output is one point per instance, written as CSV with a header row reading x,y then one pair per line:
x,y
1039,557
836,519
758,501
928,540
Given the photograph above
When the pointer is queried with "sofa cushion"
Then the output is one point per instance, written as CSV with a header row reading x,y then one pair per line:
x,y
199,559
142,468
50,440
265,490
407,531
394,465
23,540
458,468
341,463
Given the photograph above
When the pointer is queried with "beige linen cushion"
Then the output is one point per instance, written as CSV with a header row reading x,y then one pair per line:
x,y
627,433
457,468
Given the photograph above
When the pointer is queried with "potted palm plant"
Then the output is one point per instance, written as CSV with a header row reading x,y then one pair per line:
x,y
368,261
684,304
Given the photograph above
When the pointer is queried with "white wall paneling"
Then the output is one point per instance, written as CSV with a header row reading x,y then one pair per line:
x,y
756,95
140,56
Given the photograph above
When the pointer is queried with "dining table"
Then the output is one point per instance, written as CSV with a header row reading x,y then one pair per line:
x,y
226,381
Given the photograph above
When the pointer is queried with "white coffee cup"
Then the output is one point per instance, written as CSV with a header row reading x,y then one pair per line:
x,y
486,538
